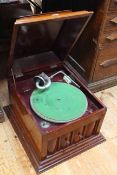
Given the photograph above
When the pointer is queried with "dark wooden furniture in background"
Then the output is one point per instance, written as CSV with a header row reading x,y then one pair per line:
x,y
42,43
9,12
106,65
96,50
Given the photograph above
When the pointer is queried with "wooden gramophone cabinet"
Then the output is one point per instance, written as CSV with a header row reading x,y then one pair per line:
x,y
43,44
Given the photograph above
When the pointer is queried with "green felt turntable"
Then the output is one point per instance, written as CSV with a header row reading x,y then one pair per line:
x,y
60,103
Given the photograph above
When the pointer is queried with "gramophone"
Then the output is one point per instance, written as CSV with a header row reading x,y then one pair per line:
x,y
52,111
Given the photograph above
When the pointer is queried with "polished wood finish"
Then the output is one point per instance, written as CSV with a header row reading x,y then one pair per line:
x,y
14,159
109,62
98,85
54,157
107,52
51,16
55,36
100,41
47,147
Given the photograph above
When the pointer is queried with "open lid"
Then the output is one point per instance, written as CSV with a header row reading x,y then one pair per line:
x,y
45,38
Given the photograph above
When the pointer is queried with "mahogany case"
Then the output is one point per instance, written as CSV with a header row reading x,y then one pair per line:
x,y
43,43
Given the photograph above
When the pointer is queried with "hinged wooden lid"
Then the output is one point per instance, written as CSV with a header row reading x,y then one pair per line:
x,y
45,38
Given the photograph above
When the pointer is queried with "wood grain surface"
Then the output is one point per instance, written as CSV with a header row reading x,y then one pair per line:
x,y
100,160
51,16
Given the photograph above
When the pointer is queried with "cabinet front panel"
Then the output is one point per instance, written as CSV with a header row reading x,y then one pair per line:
x,y
113,5
109,40
107,63
111,21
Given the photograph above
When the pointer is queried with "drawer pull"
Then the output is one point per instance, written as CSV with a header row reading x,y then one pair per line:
x,y
112,36
114,20
108,63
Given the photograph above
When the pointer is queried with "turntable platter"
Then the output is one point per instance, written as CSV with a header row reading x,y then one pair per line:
x,y
60,103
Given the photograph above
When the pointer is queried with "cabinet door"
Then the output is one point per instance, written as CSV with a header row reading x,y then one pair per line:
x,y
113,5
107,63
